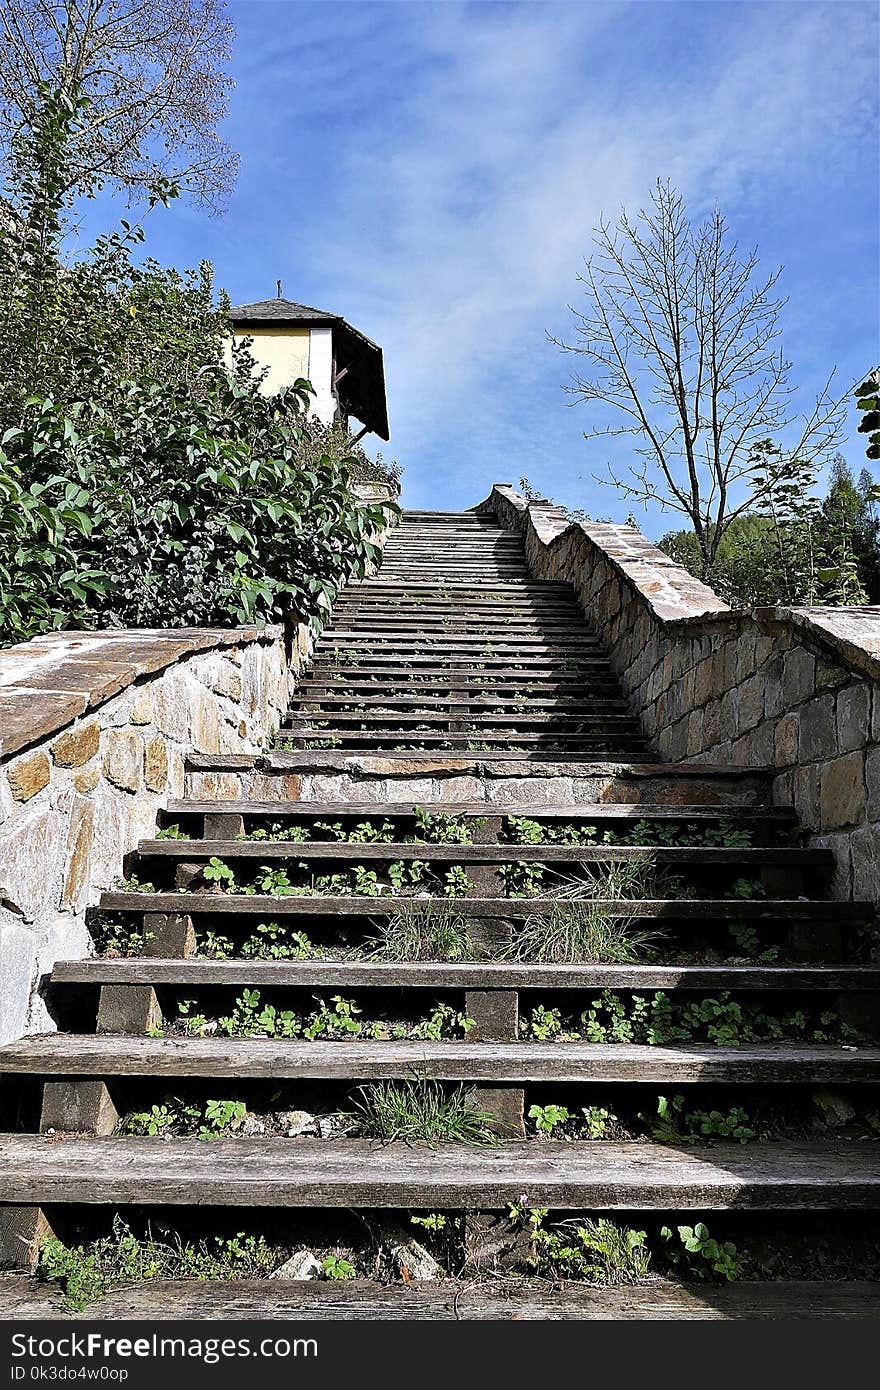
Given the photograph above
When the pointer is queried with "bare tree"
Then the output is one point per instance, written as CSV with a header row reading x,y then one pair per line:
x,y
681,339
153,73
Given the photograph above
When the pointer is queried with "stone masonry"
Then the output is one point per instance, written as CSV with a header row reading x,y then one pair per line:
x,y
795,691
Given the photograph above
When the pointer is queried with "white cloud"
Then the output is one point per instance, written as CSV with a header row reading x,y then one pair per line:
x,y
509,129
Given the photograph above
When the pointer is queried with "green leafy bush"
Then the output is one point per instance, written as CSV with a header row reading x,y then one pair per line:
x,y
141,483
173,510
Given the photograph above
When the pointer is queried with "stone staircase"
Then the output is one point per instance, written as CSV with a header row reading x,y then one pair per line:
x,y
453,660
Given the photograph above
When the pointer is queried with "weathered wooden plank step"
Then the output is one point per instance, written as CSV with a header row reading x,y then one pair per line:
x,y
361,636
519,975
399,587
522,1300
588,811
503,852
452,702
388,666
362,734
106,1055
588,721
414,756
665,909
552,685
47,1169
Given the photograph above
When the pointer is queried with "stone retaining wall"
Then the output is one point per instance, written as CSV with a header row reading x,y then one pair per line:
x,y
794,691
95,730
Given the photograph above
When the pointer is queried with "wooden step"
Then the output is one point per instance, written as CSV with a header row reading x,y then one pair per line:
x,y
393,735
482,975
502,852
448,1300
596,722
391,702
105,1055
46,1169
703,910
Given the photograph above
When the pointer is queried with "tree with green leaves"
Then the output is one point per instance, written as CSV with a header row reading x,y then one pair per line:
x,y
867,396
140,482
797,549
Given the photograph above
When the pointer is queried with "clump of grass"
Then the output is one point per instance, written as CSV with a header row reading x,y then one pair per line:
x,y
581,926
429,932
422,1112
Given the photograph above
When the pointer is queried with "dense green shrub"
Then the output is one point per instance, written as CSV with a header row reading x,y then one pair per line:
x,y
173,508
140,483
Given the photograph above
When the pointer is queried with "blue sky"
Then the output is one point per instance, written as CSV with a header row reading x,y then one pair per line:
x,y
433,172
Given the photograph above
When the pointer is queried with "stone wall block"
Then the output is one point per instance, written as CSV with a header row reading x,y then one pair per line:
x,y
818,729
843,791
28,776
156,764
853,717
786,740
798,676
123,752
78,746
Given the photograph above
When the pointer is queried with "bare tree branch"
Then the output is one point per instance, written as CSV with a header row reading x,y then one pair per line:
x,y
155,75
680,340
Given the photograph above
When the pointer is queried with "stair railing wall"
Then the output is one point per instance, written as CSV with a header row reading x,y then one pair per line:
x,y
795,691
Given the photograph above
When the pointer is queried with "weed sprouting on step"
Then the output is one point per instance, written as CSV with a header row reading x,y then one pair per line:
x,y
172,832
428,932
268,941
674,1123
215,1120
422,1111
719,1020
252,1016
591,1249
572,935
88,1272
700,1254
558,1122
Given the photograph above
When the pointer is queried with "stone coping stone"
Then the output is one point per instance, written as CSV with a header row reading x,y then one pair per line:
x,y
47,683
678,600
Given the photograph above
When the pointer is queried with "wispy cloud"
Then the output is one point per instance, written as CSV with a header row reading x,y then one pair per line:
x,y
454,157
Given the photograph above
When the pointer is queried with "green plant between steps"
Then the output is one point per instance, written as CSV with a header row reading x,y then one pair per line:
x,y
673,1123
593,1250
723,834
592,1122
215,1120
87,1273
252,1017
719,1020
268,941
422,1111
580,927
702,1255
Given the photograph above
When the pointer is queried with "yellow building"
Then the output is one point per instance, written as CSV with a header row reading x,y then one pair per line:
x,y
345,369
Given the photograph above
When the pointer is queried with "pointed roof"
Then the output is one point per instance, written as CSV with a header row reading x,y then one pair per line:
x,y
361,391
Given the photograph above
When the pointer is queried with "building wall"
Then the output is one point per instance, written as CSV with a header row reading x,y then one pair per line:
x,y
285,351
